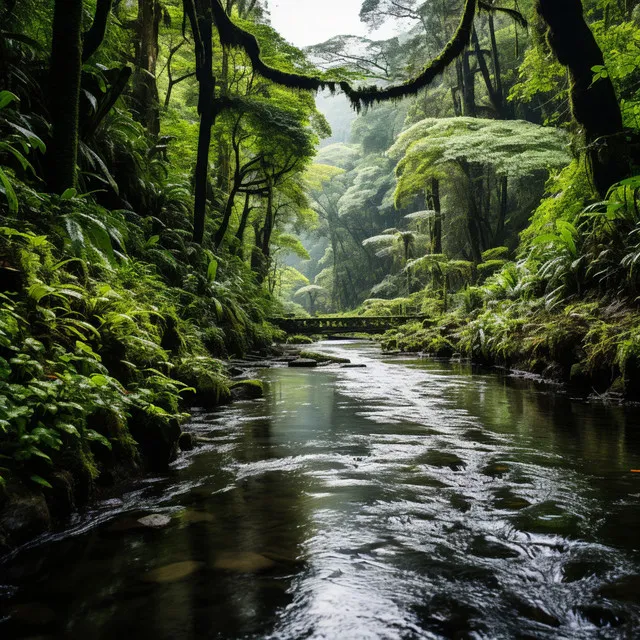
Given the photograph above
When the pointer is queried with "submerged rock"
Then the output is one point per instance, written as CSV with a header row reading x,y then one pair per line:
x,y
444,459
303,362
242,562
194,517
173,572
353,365
496,469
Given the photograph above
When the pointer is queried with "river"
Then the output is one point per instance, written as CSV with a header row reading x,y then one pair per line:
x,y
409,499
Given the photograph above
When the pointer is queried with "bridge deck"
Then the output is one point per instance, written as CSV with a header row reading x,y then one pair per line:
x,y
331,325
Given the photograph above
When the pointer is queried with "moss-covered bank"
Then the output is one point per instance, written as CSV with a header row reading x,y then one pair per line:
x,y
99,361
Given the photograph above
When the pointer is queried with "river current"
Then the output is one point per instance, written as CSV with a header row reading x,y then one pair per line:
x,y
407,499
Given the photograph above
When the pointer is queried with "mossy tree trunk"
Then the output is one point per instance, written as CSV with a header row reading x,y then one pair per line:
x,y
594,104
145,87
64,94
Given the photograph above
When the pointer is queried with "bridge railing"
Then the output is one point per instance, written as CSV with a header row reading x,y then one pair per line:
x,y
347,324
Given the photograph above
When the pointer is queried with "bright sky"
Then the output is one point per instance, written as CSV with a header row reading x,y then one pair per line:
x,y
306,22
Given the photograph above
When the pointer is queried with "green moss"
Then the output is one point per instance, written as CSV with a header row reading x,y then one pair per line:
x,y
248,388
323,357
300,339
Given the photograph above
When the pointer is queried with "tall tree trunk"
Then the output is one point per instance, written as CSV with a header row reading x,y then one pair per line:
x,y
474,222
243,224
145,87
497,69
468,87
94,37
494,96
267,230
226,217
594,104
64,94
434,197
202,28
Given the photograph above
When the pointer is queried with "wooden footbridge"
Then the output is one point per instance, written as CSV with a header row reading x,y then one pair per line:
x,y
331,326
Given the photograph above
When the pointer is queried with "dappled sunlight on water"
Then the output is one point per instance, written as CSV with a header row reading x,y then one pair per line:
x,y
407,499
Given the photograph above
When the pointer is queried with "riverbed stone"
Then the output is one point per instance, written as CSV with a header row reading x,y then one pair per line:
x,y
173,572
242,562
353,365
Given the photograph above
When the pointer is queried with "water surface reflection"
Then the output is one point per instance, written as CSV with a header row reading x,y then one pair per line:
x,y
410,499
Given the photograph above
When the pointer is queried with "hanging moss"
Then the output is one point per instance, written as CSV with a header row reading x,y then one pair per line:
x,y
232,35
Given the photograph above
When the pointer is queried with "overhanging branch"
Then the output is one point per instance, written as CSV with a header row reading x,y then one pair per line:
x,y
232,35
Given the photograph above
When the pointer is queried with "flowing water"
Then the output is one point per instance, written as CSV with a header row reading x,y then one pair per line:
x,y
407,499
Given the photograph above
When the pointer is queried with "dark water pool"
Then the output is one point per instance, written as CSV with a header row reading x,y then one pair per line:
x,y
408,499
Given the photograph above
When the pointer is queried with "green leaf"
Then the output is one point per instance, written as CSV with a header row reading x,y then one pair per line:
x,y
94,436
99,380
41,481
212,271
69,194
10,194
67,428
6,97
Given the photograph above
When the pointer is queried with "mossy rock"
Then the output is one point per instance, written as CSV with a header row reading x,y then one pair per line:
x,y
323,357
247,389
208,394
24,514
298,339
157,437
